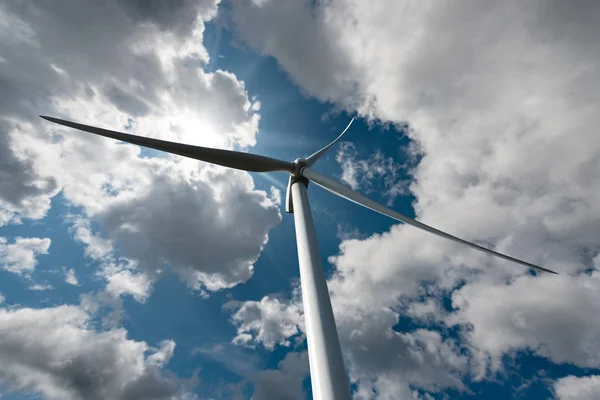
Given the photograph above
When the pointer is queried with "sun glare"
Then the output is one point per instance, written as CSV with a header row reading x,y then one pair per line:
x,y
198,131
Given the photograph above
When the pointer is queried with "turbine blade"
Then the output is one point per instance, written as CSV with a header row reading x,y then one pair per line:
x,y
226,158
315,157
342,191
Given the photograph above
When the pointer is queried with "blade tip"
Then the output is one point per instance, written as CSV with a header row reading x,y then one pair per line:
x,y
552,272
546,270
47,118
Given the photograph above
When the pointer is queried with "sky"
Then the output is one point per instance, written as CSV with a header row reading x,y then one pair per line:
x,y
127,273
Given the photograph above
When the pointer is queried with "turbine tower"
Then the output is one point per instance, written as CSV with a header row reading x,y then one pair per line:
x,y
328,375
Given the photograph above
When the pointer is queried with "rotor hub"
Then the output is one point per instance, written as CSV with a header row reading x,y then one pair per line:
x,y
299,163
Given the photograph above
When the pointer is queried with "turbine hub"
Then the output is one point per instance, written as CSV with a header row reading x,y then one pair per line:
x,y
299,163
295,176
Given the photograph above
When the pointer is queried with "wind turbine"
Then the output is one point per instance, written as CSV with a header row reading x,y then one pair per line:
x,y
327,371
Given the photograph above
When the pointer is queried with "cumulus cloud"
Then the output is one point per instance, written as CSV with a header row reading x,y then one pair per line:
x,y
104,304
285,382
20,257
268,322
25,190
95,246
381,360
500,100
533,313
364,174
57,353
304,45
121,281
577,388
393,364
70,277
211,229
144,75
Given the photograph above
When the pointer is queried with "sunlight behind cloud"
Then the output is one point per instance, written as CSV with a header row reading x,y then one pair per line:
x,y
190,128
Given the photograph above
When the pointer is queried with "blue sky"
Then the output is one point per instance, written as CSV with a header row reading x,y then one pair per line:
x,y
190,274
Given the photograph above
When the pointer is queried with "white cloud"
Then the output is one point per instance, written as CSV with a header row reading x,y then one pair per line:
x,y
124,281
268,322
398,263
70,277
209,227
145,73
391,362
577,388
20,257
364,174
26,186
106,304
2,298
96,247
275,195
62,357
163,354
506,121
304,48
378,357
41,287
534,313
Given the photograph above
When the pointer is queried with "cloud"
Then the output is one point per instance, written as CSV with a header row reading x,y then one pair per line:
x,y
105,304
364,174
121,281
144,75
389,363
56,352
505,120
20,257
211,228
303,45
70,277
380,359
285,382
96,247
268,322
533,313
577,388
41,287
24,189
